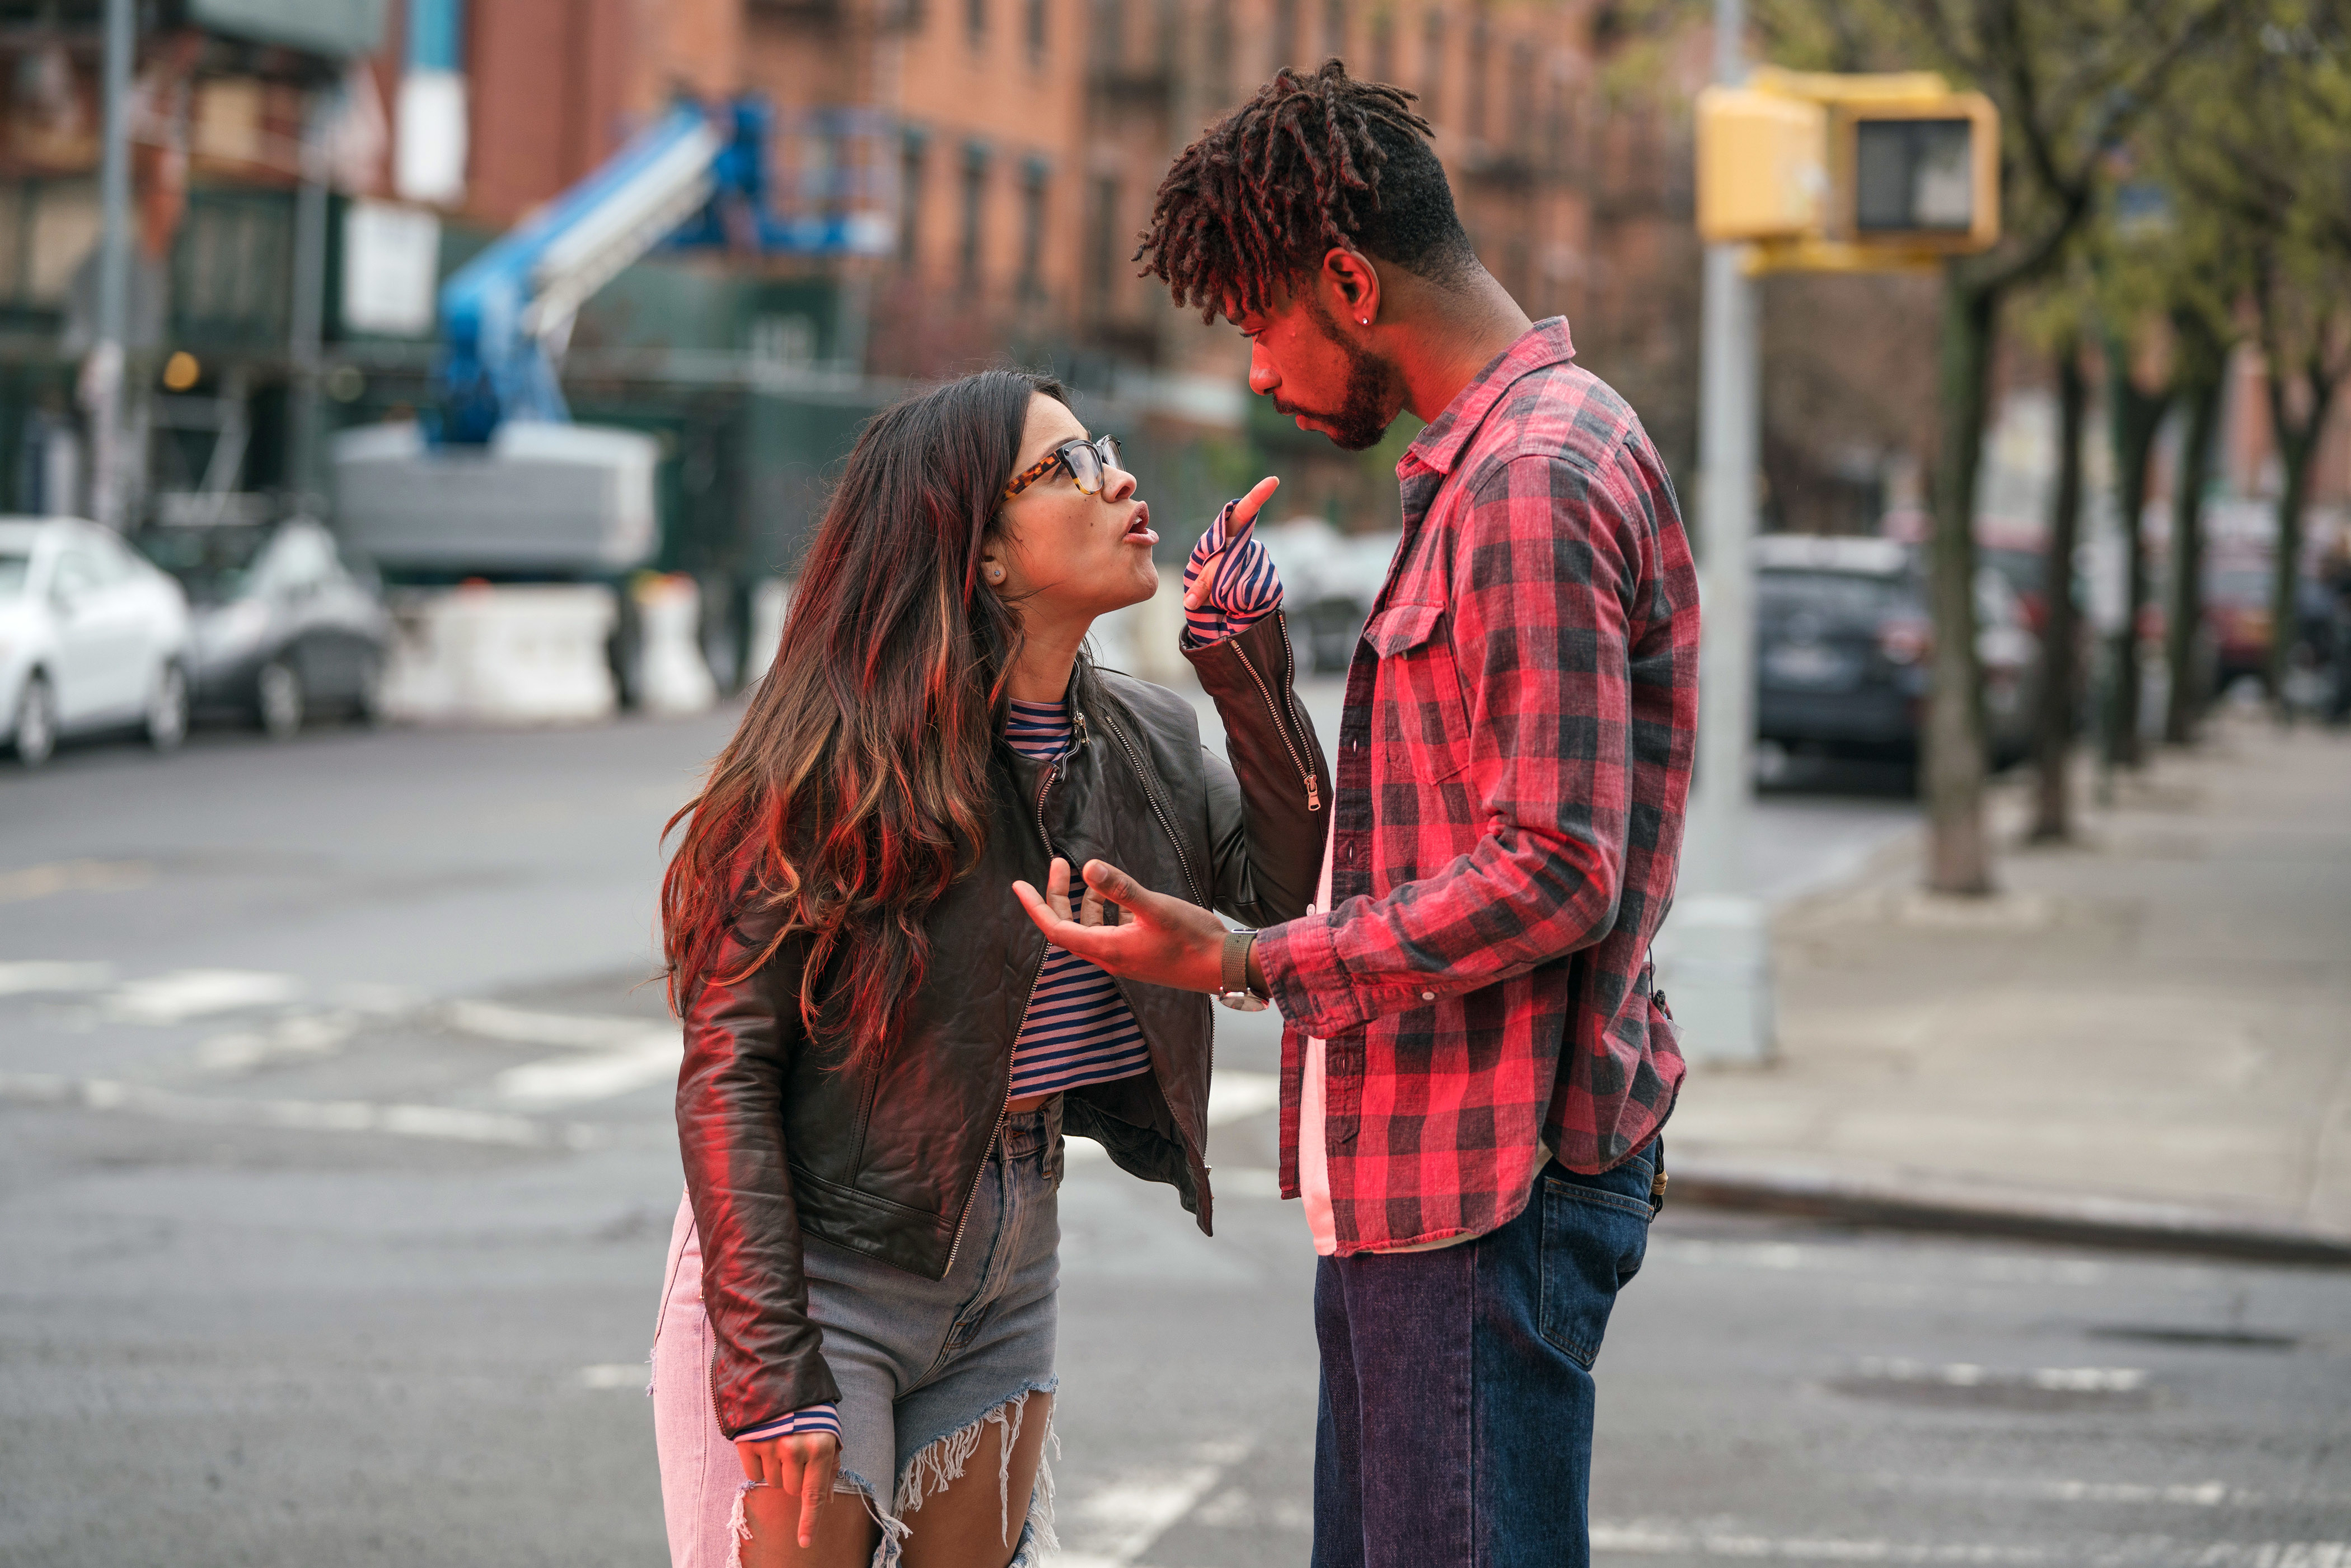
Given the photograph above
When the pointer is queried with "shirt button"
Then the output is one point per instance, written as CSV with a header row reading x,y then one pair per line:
x,y
1428,996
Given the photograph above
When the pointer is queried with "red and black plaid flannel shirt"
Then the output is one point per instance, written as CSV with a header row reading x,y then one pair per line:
x,y
1513,762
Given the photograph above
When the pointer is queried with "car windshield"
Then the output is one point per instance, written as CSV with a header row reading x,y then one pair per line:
x,y
13,569
211,563
1843,595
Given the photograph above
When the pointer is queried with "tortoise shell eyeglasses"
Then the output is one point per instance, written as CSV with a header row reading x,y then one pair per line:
x,y
1089,463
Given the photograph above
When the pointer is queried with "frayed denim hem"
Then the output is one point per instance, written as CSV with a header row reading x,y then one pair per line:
x,y
943,1460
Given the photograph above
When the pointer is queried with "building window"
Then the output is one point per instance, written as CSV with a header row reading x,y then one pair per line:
x,y
1432,62
913,147
1037,23
1473,93
1101,267
1285,34
1384,47
1334,30
1562,130
1034,176
975,208
1217,75
1524,126
974,21
1110,34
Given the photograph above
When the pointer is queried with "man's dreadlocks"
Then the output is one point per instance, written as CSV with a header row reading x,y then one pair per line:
x,y
1310,163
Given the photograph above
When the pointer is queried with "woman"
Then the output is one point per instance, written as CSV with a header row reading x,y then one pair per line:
x,y
881,1054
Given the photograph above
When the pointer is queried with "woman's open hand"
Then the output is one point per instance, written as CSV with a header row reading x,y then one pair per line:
x,y
802,1463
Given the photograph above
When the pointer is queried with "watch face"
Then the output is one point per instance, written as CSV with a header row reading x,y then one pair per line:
x,y
1242,1001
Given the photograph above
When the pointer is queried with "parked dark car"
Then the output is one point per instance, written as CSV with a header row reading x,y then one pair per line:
x,y
287,626
1843,644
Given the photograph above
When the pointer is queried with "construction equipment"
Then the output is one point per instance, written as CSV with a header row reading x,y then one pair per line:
x,y
496,482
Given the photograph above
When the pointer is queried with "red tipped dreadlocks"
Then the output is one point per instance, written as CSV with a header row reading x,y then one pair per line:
x,y
1263,193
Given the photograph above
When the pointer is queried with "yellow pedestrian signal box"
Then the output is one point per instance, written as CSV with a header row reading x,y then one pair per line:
x,y
1847,173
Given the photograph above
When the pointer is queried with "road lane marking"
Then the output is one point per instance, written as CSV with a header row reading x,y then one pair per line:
x,y
450,1123
527,1025
1645,1539
569,1080
2055,1379
185,994
1233,1096
634,1375
2195,1494
73,876
298,1034
16,979
1116,1524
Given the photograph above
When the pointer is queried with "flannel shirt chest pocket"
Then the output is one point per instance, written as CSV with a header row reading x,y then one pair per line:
x,y
1421,715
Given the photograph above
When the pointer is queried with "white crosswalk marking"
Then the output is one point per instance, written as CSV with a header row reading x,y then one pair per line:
x,y
450,1123
526,1025
1114,1525
185,994
18,979
569,1080
1654,1540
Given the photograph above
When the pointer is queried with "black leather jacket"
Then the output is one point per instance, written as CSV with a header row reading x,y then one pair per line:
x,y
779,1140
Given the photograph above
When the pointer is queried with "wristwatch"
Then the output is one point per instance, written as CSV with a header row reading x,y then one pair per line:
x,y
1235,993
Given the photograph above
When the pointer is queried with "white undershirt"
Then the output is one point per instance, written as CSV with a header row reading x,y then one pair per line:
x,y
1313,1155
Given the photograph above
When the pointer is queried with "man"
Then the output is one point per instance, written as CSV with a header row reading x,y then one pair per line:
x,y
1475,1067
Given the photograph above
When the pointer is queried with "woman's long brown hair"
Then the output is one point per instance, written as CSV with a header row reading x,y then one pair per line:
x,y
856,789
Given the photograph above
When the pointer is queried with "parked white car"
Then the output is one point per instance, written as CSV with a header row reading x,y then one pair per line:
x,y
92,637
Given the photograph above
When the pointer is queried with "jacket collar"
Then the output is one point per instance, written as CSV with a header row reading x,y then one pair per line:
x,y
1440,446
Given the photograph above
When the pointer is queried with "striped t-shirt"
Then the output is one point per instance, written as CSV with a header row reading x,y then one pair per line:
x,y
1078,1030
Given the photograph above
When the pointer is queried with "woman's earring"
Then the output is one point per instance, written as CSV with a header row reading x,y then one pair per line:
x,y
995,574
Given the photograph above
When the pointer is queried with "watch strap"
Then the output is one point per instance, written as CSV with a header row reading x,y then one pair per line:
x,y
1237,954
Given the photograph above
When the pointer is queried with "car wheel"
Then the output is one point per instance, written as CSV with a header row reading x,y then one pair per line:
x,y
279,700
167,708
36,722
368,708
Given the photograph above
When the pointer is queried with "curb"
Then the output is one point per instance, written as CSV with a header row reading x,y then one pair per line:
x,y
1929,1204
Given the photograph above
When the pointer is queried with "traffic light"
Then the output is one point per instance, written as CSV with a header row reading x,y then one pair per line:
x,y
1848,172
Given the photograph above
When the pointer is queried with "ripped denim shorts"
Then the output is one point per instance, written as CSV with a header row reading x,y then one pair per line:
x,y
924,1366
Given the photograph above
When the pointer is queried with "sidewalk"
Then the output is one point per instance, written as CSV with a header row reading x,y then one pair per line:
x,y
2144,1036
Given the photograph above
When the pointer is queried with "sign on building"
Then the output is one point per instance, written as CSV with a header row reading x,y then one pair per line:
x,y
392,257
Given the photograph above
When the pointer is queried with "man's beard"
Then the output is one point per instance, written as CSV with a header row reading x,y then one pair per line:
x,y
1358,422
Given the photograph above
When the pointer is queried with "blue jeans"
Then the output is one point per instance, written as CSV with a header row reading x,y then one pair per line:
x,y
1454,1428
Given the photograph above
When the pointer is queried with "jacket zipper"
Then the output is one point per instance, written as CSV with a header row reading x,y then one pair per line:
x,y
1051,770
1144,777
1281,726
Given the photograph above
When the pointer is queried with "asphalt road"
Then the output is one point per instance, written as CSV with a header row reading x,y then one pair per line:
x,y
335,1174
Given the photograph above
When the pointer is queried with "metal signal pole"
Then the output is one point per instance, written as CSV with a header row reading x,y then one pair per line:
x,y
101,372
1715,950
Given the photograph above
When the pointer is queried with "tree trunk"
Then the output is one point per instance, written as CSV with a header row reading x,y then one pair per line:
x,y
2136,418
2185,619
2297,444
1958,849
2061,627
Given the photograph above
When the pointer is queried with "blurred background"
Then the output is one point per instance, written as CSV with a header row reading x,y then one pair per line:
x,y
411,415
